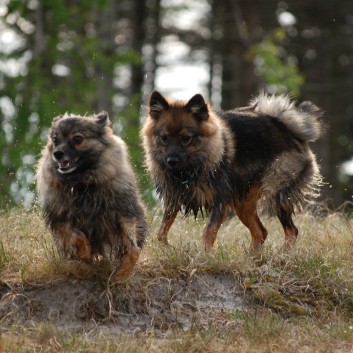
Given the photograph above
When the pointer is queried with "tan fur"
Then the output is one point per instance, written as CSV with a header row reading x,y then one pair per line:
x,y
215,137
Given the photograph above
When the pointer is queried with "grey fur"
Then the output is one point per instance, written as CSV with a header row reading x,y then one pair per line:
x,y
303,121
97,204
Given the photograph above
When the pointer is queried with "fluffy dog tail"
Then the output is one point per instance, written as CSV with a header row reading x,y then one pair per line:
x,y
303,121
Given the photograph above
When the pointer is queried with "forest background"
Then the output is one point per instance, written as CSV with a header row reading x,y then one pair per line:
x,y
60,56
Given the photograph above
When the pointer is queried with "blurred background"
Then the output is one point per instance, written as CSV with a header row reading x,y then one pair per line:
x,y
85,56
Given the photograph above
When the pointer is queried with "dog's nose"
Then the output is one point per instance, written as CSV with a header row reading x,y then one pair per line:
x,y
172,161
58,154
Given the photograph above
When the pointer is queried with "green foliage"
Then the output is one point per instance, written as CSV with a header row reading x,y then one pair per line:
x,y
274,67
129,119
71,66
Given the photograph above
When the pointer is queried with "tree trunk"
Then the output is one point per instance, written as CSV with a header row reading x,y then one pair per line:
x,y
104,73
138,29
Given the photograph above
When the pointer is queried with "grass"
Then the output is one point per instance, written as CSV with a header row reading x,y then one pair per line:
x,y
301,300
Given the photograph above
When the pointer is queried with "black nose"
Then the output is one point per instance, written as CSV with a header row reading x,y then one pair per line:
x,y
58,154
172,161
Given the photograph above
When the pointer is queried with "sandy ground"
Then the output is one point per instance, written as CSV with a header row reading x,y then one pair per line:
x,y
137,305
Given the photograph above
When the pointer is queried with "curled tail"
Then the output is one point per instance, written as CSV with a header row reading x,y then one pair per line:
x,y
302,120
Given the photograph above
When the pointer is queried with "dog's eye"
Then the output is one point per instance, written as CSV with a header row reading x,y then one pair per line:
x,y
163,139
55,140
185,140
77,139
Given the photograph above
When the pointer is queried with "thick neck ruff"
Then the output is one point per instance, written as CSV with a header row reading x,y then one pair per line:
x,y
186,180
80,188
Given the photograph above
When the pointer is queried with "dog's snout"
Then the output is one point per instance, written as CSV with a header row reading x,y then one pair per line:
x,y
58,154
172,161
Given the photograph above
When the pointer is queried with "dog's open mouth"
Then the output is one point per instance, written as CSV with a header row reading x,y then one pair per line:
x,y
67,166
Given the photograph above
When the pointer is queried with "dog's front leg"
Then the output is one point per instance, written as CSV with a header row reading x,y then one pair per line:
x,y
215,219
72,243
129,238
167,221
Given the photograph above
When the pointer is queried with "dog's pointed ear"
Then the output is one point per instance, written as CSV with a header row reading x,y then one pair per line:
x,y
102,119
157,105
198,107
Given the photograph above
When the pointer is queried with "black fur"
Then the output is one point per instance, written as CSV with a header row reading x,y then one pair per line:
x,y
233,160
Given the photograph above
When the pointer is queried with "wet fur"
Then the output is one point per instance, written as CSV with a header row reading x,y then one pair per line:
x,y
95,210
235,159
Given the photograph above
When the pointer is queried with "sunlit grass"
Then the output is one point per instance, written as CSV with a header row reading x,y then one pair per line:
x,y
301,300
24,244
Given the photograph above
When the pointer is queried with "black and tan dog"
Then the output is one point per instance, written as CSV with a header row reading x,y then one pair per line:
x,y
88,192
219,161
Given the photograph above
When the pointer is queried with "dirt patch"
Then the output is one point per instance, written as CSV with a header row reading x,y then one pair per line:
x,y
138,305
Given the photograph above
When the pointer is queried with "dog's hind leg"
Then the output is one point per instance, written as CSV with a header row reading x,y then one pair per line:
x,y
246,210
215,220
290,230
167,221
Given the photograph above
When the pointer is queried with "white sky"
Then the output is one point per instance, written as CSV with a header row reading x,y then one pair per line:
x,y
179,76
347,167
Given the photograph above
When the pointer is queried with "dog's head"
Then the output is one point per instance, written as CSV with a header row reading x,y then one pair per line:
x,y
76,141
182,137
